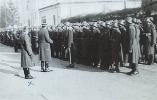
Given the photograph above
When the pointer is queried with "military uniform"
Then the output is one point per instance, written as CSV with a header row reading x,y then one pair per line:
x,y
70,47
133,47
115,40
150,33
94,46
26,54
34,41
44,48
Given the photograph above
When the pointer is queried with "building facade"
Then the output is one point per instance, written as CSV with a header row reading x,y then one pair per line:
x,y
62,9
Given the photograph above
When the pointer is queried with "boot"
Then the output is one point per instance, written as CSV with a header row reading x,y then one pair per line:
x,y
134,70
42,66
117,69
25,72
70,66
47,67
118,64
28,75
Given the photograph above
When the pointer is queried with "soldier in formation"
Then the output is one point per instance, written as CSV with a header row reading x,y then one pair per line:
x,y
103,44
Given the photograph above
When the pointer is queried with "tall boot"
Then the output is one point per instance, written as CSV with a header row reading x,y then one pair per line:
x,y
29,75
47,67
25,72
42,66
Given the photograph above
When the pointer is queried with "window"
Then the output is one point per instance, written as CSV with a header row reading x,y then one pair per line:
x,y
43,19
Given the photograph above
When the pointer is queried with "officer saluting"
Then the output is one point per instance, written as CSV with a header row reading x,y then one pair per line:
x,y
44,48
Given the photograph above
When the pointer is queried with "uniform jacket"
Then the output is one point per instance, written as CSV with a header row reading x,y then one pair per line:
x,y
150,32
115,40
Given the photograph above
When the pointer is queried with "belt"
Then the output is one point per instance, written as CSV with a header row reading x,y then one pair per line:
x,y
148,34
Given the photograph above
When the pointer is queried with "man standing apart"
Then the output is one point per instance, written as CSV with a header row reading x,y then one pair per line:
x,y
44,48
26,53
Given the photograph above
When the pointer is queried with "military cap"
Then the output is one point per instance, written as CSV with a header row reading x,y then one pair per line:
x,y
67,23
84,23
148,20
108,23
129,19
95,24
134,20
151,18
121,22
115,24
103,24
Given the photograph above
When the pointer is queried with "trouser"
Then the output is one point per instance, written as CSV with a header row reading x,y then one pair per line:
x,y
134,66
44,64
150,59
72,54
126,58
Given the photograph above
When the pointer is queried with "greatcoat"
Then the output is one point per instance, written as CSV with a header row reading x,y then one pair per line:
x,y
133,44
44,45
115,40
26,51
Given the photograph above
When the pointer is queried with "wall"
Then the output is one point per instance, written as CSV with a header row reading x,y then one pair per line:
x,y
70,9
49,13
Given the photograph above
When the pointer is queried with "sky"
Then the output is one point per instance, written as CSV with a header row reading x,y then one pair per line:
x,y
43,3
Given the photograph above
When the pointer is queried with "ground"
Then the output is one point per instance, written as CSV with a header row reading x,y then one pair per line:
x,y
80,83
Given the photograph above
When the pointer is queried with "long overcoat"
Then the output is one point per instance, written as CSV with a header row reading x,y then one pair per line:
x,y
138,32
133,44
44,45
26,51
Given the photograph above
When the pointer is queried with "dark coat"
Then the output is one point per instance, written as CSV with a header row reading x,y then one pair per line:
x,y
44,45
150,32
115,40
133,44
26,51
34,39
124,39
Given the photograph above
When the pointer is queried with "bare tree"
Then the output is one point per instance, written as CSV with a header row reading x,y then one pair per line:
x,y
9,14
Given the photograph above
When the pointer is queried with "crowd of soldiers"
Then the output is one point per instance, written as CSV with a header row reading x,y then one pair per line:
x,y
106,45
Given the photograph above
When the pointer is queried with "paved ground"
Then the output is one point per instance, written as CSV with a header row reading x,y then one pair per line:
x,y
81,83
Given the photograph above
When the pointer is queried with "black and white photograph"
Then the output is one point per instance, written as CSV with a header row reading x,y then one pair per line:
x,y
78,49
